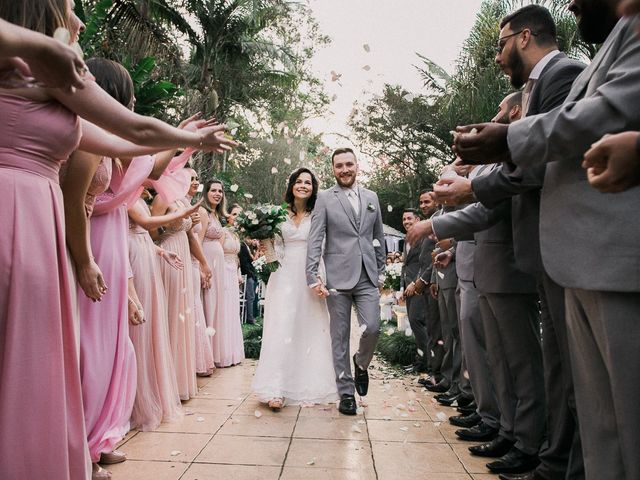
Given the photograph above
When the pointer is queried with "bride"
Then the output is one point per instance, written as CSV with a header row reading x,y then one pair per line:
x,y
296,364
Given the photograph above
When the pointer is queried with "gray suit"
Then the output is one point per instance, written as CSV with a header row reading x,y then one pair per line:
x,y
589,244
353,268
508,304
561,452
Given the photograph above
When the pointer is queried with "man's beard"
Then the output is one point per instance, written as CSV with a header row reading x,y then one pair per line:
x,y
516,65
343,182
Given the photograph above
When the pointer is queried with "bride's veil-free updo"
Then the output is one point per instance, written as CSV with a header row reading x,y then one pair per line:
x,y
288,196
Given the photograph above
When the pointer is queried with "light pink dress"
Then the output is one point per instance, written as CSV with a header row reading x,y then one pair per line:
x,y
178,286
108,363
157,396
41,423
204,351
230,345
212,247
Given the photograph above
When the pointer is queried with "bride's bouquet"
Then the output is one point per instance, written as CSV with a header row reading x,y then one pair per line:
x,y
263,223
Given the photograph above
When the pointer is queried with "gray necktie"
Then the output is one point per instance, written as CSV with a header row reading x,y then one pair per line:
x,y
526,95
353,200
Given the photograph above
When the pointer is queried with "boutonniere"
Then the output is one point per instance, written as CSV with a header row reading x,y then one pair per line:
x,y
371,207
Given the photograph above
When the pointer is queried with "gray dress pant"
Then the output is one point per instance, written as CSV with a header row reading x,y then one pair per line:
x,y
451,337
561,452
474,354
512,333
417,313
434,332
365,296
604,343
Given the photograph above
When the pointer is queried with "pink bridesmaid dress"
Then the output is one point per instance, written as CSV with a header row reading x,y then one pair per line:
x,y
204,352
230,345
108,362
211,300
178,286
157,397
42,431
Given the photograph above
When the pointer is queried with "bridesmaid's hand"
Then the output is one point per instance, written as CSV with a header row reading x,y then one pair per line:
x,y
172,259
91,281
206,275
136,314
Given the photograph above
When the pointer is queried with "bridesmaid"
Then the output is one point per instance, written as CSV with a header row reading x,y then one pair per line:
x,y
212,212
178,286
157,397
232,345
201,281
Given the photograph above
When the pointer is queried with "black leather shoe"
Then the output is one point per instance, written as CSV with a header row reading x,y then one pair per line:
x,y
459,398
360,378
347,405
465,421
514,461
478,433
440,387
472,407
430,380
521,476
497,447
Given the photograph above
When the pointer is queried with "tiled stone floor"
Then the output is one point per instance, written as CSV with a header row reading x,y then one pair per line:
x,y
226,434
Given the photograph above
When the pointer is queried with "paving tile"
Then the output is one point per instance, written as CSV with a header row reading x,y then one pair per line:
x,y
144,470
345,428
130,434
196,423
325,411
448,432
160,446
341,454
433,476
483,476
200,471
403,430
315,473
471,463
211,405
395,409
250,425
243,450
414,460
252,404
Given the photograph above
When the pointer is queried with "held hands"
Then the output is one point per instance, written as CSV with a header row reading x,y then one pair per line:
x,y
453,191
613,163
91,281
418,231
321,290
482,143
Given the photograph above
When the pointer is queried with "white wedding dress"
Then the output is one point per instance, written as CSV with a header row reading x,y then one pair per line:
x,y
296,361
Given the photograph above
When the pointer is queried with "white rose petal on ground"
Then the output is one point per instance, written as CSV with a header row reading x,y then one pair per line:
x,y
312,461
404,429
437,424
175,453
200,419
257,413
360,410
417,425
356,429
441,416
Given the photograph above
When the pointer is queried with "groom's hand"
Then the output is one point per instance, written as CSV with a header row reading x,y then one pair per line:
x,y
321,290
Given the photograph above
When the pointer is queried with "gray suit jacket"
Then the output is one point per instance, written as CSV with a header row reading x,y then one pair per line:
x,y
349,241
589,240
495,269
418,263
523,186
445,277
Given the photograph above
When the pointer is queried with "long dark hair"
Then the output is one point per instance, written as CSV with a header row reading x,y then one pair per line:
x,y
288,196
221,208
113,78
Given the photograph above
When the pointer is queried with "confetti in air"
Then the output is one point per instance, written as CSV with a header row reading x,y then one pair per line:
x,y
389,208
248,195
210,331
287,341
274,170
465,374
341,376
233,188
287,161
440,342
366,47
376,242
253,134
335,76
420,353
366,68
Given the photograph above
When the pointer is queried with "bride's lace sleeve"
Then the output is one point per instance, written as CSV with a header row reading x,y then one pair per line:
x,y
278,245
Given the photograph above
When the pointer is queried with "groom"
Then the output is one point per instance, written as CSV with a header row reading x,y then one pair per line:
x,y
348,218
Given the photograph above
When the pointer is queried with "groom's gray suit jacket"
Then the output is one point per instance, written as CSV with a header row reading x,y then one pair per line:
x,y
349,240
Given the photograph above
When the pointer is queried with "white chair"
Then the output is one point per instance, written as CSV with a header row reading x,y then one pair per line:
x,y
243,301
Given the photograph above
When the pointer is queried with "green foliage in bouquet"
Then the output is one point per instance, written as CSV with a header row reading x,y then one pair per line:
x,y
263,269
262,222
252,334
394,346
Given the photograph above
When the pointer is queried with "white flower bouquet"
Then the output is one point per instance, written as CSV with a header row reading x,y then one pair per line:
x,y
263,223
392,275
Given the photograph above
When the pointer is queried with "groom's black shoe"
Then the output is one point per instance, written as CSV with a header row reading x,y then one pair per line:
x,y
347,405
361,379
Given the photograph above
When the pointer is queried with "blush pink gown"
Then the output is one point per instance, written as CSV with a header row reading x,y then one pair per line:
x,y
108,362
211,300
42,432
229,343
157,398
178,286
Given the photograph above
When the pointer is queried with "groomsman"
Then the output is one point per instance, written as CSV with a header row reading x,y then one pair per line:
x,y
589,241
528,53
416,259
